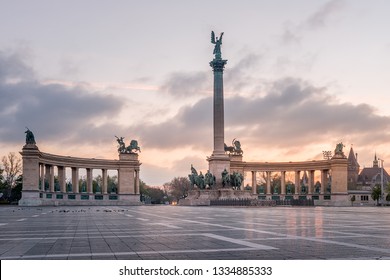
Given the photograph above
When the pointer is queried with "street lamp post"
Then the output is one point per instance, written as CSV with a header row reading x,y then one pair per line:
x,y
382,194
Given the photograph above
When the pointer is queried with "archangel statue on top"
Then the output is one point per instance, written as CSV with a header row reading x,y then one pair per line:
x,y
217,42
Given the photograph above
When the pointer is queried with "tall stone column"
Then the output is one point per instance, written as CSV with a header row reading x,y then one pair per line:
x,y
61,178
89,180
30,192
324,181
311,181
104,178
47,176
297,182
218,160
136,183
51,178
268,182
75,179
254,185
42,179
283,182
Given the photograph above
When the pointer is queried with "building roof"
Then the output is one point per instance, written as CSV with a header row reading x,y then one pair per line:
x,y
352,158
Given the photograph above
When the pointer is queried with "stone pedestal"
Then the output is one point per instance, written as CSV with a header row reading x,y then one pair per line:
x,y
217,164
128,174
30,192
339,180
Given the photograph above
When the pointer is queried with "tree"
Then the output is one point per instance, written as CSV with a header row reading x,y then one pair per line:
x,y
12,169
16,191
178,188
153,195
376,194
112,184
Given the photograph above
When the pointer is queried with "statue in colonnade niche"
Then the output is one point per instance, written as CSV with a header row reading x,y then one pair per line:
x,y
317,187
261,189
289,190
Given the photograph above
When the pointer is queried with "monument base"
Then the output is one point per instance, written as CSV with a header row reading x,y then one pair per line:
x,y
30,198
207,197
35,198
217,164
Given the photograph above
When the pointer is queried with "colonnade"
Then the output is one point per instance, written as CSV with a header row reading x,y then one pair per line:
x,y
39,171
47,174
332,177
297,182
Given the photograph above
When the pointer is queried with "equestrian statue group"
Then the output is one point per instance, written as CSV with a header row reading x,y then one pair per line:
x,y
123,149
208,180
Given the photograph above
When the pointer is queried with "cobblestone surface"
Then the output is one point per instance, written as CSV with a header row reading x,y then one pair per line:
x,y
189,233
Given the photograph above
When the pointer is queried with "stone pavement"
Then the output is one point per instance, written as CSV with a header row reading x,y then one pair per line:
x,y
194,233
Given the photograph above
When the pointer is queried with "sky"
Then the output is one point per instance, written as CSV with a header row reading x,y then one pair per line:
x,y
301,77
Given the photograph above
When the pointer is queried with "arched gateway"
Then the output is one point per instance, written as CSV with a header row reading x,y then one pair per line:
x,y
39,187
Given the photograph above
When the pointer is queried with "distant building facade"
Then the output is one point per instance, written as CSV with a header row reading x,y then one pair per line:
x,y
361,182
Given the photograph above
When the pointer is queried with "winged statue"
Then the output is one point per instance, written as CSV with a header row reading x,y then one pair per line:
x,y
217,42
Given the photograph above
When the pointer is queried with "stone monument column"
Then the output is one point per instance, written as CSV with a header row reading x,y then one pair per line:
x,y
30,192
218,160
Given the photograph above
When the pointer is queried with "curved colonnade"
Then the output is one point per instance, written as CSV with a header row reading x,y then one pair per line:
x,y
333,178
39,179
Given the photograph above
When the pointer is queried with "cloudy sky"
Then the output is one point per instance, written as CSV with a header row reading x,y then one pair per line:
x,y
301,76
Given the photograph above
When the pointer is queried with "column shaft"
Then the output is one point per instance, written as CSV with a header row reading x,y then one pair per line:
x,y
324,180
51,178
61,178
104,178
137,182
283,182
42,179
268,182
297,182
311,182
254,185
75,179
89,180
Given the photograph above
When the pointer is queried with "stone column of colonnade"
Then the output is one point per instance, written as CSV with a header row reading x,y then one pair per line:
x,y
42,176
254,185
75,179
89,180
311,182
268,191
283,182
61,178
268,182
104,177
297,181
137,191
324,180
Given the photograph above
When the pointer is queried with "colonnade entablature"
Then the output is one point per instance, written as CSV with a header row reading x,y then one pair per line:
x,y
39,187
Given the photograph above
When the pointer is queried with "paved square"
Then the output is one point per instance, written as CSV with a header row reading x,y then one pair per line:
x,y
174,232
